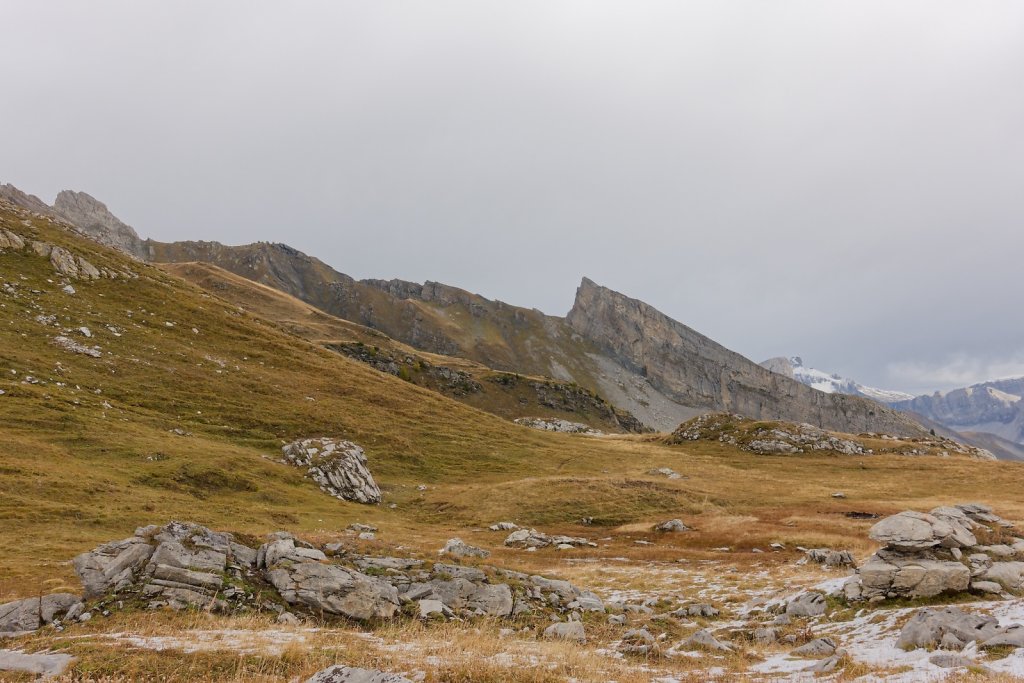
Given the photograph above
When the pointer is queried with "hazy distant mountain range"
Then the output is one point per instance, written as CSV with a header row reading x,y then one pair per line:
x,y
830,383
989,415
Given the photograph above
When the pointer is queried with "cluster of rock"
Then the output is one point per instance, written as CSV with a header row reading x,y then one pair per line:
x,y
338,467
829,557
531,539
63,261
926,554
182,565
950,628
554,424
764,438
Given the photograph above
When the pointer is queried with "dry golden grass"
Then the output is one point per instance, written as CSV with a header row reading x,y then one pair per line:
x,y
78,468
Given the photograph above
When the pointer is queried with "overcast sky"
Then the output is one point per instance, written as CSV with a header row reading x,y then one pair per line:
x,y
838,180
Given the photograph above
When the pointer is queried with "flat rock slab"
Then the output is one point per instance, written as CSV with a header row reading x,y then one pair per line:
x,y
44,664
351,674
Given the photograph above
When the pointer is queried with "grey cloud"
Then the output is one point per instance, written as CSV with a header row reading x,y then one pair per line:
x,y
836,180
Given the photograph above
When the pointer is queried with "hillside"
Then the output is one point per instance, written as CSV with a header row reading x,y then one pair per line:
x,y
132,397
587,348
509,395
640,360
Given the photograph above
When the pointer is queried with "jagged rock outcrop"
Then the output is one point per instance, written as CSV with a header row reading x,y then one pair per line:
x,y
338,467
183,565
697,372
92,217
551,424
531,538
925,555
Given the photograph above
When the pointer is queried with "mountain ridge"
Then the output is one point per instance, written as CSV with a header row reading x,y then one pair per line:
x,y
640,359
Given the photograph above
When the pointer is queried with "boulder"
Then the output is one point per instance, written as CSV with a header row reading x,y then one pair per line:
x,y
672,525
911,531
32,613
928,627
890,575
1011,636
64,262
463,595
9,240
704,640
819,647
806,605
1009,575
332,589
566,630
951,660
458,548
350,674
638,642
339,467
831,558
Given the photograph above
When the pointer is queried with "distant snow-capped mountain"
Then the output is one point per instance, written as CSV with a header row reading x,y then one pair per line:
x,y
830,383
995,407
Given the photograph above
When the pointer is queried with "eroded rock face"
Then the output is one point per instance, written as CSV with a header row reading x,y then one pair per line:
x,y
695,371
92,217
339,467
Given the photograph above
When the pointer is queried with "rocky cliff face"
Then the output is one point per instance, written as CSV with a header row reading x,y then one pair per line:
x,y
695,371
92,217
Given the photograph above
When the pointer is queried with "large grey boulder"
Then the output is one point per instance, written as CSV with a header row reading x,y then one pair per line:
x,y
1009,575
332,589
911,531
350,674
339,467
566,630
1011,636
459,548
32,613
806,605
928,627
894,575
704,640
464,595
830,557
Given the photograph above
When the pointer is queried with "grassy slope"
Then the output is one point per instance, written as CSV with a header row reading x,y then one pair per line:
x,y
74,472
509,396
505,337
